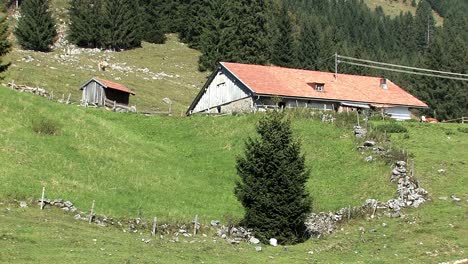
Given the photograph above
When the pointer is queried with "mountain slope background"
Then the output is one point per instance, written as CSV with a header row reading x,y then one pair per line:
x,y
350,28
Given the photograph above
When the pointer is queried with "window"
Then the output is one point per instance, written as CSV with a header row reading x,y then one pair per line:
x,y
320,87
383,83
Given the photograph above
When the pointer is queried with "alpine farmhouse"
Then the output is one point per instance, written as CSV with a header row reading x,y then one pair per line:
x,y
235,87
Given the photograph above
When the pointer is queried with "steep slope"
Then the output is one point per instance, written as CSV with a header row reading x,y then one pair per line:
x,y
175,168
394,8
169,167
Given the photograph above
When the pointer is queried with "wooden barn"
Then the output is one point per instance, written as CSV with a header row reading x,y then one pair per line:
x,y
100,92
236,87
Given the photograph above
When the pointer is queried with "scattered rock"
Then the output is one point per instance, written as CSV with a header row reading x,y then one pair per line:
x,y
215,222
369,159
384,224
360,132
258,248
254,240
23,204
445,198
455,198
409,194
311,252
369,143
233,241
273,242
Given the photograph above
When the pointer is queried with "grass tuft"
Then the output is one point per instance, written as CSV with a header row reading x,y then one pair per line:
x,y
46,126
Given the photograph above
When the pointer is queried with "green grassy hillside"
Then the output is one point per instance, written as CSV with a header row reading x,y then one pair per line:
x,y
168,167
395,7
178,167
153,71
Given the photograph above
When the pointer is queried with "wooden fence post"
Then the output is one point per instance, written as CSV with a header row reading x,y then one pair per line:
x,y
349,213
195,224
42,199
357,113
91,216
155,226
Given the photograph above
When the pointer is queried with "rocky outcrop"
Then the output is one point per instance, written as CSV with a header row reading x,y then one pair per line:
x,y
360,132
410,194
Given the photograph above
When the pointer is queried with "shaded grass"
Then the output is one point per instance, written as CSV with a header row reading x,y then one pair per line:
x,y
174,168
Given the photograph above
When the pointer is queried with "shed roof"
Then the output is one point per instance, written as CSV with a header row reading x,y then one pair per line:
x,y
110,85
280,81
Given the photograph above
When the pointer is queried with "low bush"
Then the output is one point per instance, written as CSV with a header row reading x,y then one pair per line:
x,y
463,129
45,126
390,128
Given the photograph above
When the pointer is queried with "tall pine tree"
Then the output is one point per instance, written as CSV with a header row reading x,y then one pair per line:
x,y
122,22
424,25
153,27
195,21
216,40
309,45
4,43
272,182
251,37
85,23
283,53
36,27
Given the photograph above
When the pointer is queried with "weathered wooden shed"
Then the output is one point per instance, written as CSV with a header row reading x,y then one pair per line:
x,y
97,91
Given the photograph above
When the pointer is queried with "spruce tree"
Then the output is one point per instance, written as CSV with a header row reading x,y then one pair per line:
x,y
85,23
251,37
309,46
216,39
122,24
283,53
152,28
272,182
4,43
36,27
195,21
424,25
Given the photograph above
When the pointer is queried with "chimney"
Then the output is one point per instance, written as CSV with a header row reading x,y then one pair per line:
x,y
383,83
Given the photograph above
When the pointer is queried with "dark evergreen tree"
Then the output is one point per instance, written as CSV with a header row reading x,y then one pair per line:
x,y
424,25
153,27
36,27
4,43
85,23
194,22
251,37
272,182
309,46
216,40
122,24
283,53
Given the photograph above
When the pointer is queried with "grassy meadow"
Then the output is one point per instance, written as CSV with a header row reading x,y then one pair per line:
x,y
134,165
395,7
178,167
153,71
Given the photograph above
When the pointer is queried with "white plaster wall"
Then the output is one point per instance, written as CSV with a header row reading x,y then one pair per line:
x,y
401,113
220,91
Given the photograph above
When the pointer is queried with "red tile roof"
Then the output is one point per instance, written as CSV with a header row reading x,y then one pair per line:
x,y
115,86
272,80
